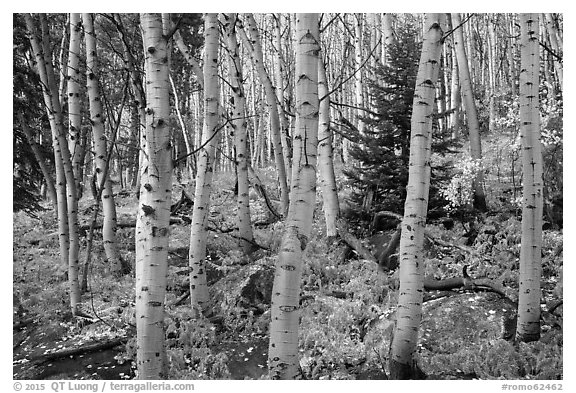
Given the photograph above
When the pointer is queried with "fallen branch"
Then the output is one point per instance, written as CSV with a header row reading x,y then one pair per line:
x,y
261,190
88,348
354,242
132,224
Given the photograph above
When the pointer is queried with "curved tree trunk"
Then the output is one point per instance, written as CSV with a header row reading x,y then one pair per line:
x,y
528,326
100,147
198,233
152,225
66,190
470,107
239,124
283,350
325,157
409,312
254,46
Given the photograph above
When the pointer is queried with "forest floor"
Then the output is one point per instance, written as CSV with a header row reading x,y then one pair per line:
x,y
348,305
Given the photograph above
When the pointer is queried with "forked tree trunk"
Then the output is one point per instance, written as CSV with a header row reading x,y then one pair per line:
x,y
198,232
325,157
283,350
101,149
152,225
470,107
239,125
528,326
66,190
409,312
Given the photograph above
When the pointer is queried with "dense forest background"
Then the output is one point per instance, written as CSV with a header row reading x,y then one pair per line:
x,y
288,196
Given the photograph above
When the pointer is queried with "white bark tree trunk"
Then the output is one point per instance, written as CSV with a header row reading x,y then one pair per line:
x,y
100,146
326,156
470,107
528,326
66,190
239,125
254,46
198,232
283,350
152,225
409,312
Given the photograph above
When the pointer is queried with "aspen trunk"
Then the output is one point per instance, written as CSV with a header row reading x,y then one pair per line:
x,y
255,47
325,157
66,190
284,123
528,326
198,233
409,312
239,125
100,147
358,83
470,107
152,225
283,350
556,44
48,180
389,37
74,104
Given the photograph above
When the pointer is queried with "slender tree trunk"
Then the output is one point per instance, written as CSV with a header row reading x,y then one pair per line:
x,y
254,45
185,133
556,47
409,312
325,157
284,123
101,150
358,82
528,326
198,232
471,113
511,61
239,125
389,37
491,88
48,180
152,225
66,190
283,350
74,104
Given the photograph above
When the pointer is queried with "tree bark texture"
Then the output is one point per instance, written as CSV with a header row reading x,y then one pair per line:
x,y
239,126
325,157
152,226
283,350
409,312
74,103
528,326
206,159
100,145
